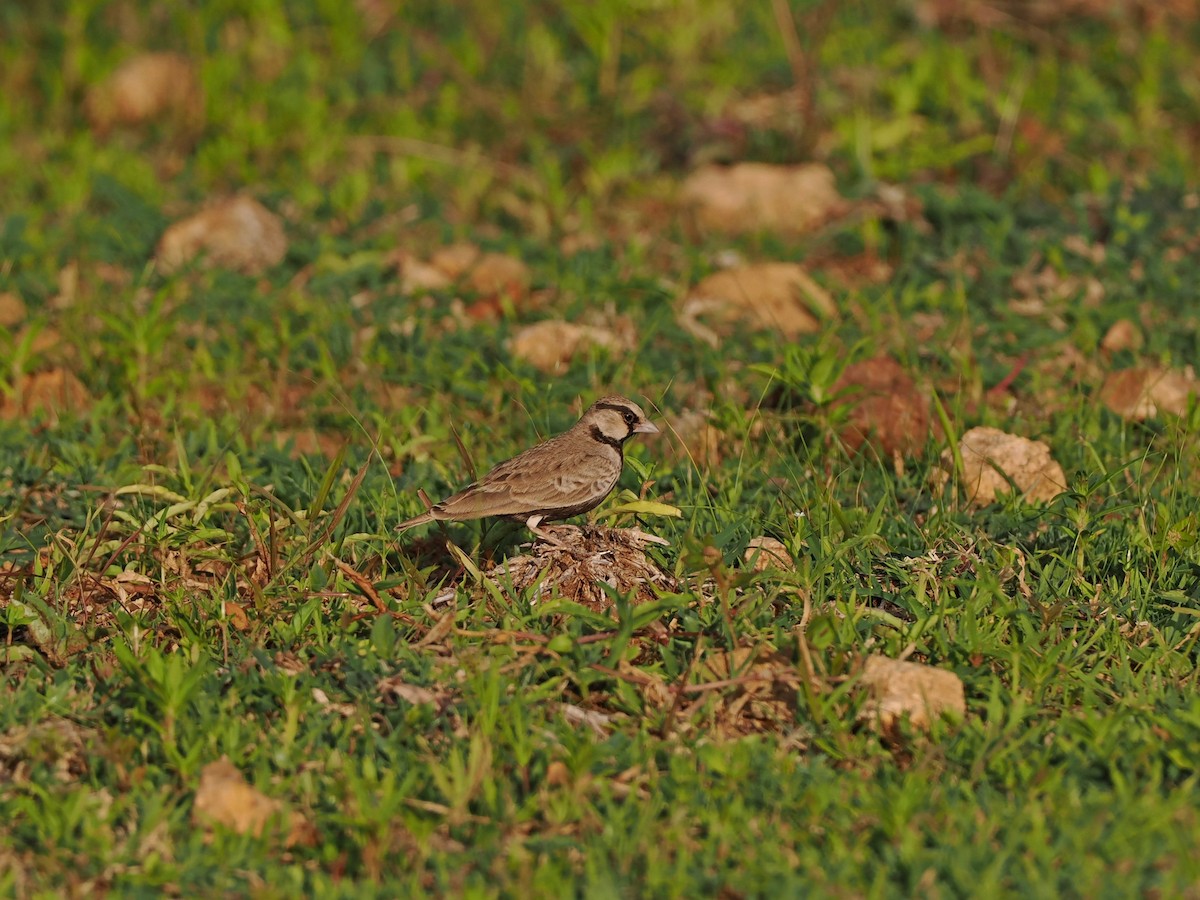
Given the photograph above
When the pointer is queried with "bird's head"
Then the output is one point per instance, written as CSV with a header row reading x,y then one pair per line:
x,y
613,420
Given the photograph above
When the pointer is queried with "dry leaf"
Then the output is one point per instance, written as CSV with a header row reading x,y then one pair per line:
x,y
578,242
498,274
152,86
900,688
552,344
886,408
777,111
345,710
763,553
752,197
225,798
1122,335
289,663
557,774
417,276
236,613
1049,293
455,260
1145,393
239,233
1027,463
48,343
54,392
600,723
776,296
412,694
12,310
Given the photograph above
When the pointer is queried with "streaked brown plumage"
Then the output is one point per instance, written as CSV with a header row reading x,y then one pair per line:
x,y
559,478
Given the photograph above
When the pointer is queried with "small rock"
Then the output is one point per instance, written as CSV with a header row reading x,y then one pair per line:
x,y
455,260
239,233
552,344
886,408
1027,463
901,689
1122,335
497,274
775,296
1145,393
224,797
12,310
53,392
753,197
765,552
152,86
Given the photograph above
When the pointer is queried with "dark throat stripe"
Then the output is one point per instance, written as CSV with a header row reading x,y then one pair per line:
x,y
603,438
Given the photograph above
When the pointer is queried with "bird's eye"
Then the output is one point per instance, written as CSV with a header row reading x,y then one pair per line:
x,y
630,418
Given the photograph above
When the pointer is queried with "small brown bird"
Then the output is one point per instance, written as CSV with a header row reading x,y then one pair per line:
x,y
565,476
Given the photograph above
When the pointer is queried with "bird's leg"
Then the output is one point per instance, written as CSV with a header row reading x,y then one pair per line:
x,y
544,534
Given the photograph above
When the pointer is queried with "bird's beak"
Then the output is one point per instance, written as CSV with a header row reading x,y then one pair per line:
x,y
645,428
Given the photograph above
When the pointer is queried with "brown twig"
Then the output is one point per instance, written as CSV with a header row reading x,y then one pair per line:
x,y
260,545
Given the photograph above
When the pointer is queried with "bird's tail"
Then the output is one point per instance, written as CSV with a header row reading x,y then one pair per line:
x,y
414,522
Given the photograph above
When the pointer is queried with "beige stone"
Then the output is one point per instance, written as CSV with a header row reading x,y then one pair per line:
x,y
772,296
990,457
920,693
239,233
752,197
552,344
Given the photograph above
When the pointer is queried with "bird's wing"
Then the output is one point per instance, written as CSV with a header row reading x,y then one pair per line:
x,y
568,476
547,476
476,501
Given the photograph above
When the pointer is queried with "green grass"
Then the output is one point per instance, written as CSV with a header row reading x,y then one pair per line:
x,y
176,550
